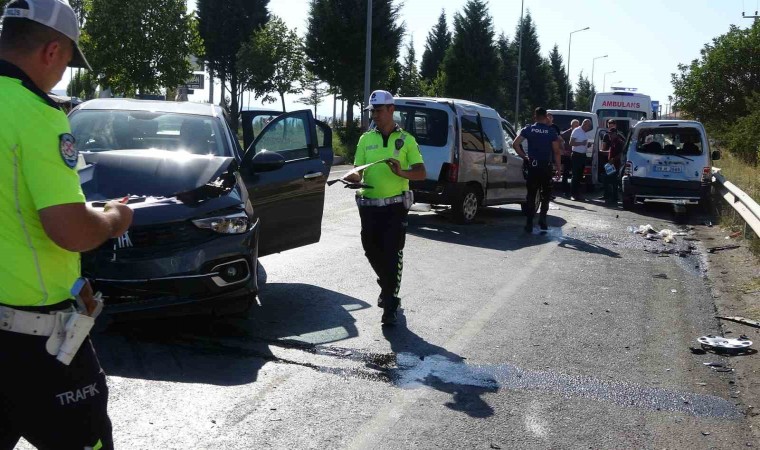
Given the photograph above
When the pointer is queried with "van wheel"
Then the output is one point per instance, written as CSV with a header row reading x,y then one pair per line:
x,y
628,202
466,208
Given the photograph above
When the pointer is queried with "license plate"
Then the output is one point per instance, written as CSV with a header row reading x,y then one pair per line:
x,y
672,169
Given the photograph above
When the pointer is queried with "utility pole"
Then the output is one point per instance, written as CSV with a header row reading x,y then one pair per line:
x,y
519,69
569,42
367,65
756,16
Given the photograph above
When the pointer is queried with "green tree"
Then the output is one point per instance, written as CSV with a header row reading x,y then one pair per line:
x,y
472,51
276,51
410,82
561,80
585,93
317,91
224,26
537,86
507,76
438,41
140,45
82,85
335,46
717,87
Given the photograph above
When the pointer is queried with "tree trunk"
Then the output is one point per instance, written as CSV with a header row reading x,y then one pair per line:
x,y
349,112
335,107
282,97
234,107
343,111
210,85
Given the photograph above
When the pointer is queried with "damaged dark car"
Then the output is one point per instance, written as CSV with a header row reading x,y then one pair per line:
x,y
204,209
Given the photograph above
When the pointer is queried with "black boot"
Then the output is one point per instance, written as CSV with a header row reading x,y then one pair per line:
x,y
529,225
542,222
390,311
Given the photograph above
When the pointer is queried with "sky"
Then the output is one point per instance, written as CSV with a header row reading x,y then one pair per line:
x,y
645,40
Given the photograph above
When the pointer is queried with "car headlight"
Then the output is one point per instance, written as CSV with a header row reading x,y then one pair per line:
x,y
236,223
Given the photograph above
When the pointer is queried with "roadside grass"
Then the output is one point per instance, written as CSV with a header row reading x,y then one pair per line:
x,y
747,178
339,148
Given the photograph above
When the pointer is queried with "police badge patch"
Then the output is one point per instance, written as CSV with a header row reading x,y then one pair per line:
x,y
399,144
69,152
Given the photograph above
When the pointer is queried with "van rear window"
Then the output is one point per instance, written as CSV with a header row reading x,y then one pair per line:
x,y
670,141
428,126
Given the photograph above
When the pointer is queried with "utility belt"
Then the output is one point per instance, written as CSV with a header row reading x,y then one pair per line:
x,y
66,329
538,164
407,198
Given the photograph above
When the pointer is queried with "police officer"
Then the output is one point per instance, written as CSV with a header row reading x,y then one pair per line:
x,y
383,206
544,147
44,223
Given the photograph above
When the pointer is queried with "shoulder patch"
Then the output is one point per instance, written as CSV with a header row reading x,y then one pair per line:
x,y
68,150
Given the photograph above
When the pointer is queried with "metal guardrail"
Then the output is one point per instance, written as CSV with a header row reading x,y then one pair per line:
x,y
739,200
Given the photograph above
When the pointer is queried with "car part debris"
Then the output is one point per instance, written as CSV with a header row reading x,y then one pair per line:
x,y
642,229
722,343
667,235
697,351
661,276
742,320
721,248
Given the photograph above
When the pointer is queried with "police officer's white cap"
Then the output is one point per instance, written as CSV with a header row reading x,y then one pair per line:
x,y
379,98
55,14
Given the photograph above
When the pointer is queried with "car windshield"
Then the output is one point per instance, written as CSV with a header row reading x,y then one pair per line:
x,y
670,141
104,130
625,113
563,120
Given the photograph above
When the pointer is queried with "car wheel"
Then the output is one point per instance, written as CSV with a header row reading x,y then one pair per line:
x,y
466,208
628,202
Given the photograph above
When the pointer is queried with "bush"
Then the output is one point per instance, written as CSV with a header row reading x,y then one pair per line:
x,y
348,136
742,138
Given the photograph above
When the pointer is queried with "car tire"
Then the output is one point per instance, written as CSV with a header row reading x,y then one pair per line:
x,y
466,207
628,202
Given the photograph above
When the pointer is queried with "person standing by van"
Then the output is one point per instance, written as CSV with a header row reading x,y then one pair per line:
x,y
384,204
567,157
612,143
543,148
579,140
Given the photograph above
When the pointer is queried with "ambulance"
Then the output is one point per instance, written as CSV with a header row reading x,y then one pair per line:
x,y
624,105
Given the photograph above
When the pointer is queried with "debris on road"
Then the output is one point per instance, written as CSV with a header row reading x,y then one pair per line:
x,y
742,320
661,276
673,291
642,229
697,351
722,247
667,235
720,343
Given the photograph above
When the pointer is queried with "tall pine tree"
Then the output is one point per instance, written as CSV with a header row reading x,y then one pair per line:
x,y
410,76
438,41
561,80
537,86
585,93
471,63
507,76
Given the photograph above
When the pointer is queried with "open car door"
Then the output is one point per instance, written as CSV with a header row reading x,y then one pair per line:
x,y
285,177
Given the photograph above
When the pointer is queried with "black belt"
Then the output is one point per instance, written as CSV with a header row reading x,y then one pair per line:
x,y
66,304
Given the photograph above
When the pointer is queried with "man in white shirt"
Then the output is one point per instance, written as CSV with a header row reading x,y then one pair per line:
x,y
579,140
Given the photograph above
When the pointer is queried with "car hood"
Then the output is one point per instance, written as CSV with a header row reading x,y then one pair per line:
x,y
163,186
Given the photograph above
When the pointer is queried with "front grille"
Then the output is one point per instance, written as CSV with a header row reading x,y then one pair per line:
x,y
152,239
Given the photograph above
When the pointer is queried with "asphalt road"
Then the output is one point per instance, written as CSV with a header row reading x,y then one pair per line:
x,y
574,339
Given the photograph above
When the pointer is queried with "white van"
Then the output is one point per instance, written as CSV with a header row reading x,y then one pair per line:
x,y
667,161
627,108
468,154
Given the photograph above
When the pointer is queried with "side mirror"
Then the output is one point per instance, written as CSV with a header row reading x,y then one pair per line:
x,y
267,161
715,155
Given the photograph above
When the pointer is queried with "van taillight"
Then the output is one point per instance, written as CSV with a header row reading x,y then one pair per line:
x,y
627,169
453,172
706,174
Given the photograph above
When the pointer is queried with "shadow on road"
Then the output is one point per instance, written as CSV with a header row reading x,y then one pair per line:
x,y
494,228
227,350
587,247
420,362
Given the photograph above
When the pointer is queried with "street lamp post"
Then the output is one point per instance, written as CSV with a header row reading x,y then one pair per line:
x,y
367,65
604,80
593,86
519,68
567,88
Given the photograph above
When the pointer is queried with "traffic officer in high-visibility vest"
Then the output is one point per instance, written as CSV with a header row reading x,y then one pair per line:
x,y
383,206
53,391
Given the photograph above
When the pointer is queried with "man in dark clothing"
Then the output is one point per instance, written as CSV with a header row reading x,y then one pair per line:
x,y
612,143
567,156
543,148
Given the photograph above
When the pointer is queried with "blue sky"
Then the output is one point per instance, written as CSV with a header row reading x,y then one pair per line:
x,y
645,39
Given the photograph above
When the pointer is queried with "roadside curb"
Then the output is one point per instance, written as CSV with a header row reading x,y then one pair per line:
x,y
338,160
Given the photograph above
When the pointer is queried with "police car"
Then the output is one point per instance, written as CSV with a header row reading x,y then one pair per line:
x,y
204,209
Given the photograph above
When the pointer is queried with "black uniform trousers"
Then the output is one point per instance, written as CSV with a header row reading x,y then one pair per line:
x,y
51,405
383,238
579,163
539,180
